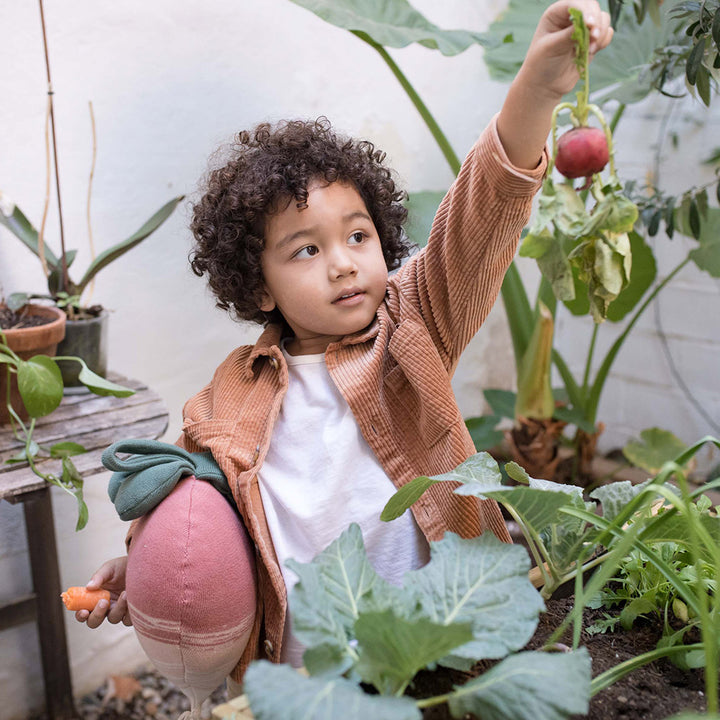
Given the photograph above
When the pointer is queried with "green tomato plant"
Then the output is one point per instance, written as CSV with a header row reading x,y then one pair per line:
x,y
40,384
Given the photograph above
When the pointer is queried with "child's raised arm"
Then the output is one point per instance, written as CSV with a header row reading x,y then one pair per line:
x,y
548,73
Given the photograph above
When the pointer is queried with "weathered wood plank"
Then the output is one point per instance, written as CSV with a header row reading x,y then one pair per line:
x,y
94,422
87,425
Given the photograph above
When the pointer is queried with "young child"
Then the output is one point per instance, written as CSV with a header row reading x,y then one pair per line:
x,y
346,395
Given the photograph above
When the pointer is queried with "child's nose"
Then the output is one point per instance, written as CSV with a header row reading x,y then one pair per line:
x,y
342,263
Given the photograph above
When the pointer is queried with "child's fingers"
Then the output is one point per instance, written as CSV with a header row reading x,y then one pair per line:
x,y
119,611
99,613
601,34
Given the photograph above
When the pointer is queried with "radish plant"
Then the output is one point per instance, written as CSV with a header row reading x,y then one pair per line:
x,y
565,233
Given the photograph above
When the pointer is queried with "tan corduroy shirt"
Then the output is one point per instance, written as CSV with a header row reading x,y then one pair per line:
x,y
395,374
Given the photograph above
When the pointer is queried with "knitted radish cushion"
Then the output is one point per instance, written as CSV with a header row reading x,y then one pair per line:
x,y
191,588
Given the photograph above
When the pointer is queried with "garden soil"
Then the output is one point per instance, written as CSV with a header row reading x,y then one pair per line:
x,y
653,692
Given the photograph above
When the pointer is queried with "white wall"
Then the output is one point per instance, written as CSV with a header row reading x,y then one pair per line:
x,y
171,81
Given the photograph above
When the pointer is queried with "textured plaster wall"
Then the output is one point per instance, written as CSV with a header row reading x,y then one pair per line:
x,y
170,82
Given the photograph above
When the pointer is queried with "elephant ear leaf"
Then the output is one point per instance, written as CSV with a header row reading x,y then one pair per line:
x,y
619,72
393,23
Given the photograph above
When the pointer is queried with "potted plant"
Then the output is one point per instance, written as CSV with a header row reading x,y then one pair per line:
x,y
32,387
85,330
30,330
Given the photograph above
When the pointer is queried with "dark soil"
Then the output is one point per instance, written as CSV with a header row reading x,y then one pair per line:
x,y
653,692
11,320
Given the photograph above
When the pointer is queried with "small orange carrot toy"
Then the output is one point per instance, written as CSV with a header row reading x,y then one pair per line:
x,y
80,598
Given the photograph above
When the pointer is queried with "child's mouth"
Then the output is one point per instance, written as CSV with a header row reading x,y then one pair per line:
x,y
350,298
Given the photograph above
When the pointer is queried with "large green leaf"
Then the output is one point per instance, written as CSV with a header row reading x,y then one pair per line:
x,y
40,384
113,253
100,385
653,449
277,692
482,581
537,508
392,23
502,402
615,496
483,431
393,650
324,603
528,686
618,68
14,220
422,207
707,255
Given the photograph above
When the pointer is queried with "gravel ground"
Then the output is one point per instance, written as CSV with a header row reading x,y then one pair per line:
x,y
154,698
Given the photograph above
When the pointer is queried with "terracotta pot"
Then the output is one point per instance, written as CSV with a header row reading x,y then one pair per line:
x,y
27,342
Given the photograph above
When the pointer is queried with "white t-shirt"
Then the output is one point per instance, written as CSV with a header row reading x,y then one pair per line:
x,y
319,476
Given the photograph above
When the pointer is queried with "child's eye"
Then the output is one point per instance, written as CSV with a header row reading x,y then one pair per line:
x,y
356,238
306,252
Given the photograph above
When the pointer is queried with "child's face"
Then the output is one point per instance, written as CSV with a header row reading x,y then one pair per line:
x,y
323,267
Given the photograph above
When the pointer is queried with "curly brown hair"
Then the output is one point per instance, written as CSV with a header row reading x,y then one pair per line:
x,y
267,167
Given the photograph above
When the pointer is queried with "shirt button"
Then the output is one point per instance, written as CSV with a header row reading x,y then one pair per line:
x,y
268,648
274,363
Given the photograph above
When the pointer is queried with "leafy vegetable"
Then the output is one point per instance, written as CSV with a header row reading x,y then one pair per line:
x,y
473,600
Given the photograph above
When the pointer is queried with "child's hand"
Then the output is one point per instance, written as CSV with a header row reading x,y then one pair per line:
x,y
550,61
110,576
548,73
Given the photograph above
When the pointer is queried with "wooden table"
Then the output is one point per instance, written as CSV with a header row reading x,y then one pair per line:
x,y
95,422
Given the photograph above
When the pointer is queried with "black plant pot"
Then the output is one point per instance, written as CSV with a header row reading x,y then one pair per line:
x,y
86,339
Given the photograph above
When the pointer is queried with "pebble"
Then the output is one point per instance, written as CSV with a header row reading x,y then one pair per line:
x,y
158,699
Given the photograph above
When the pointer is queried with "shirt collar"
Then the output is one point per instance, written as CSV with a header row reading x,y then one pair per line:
x,y
268,344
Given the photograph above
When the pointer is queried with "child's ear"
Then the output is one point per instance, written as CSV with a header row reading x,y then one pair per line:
x,y
267,303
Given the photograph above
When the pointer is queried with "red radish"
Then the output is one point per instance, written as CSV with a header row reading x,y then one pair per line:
x,y
582,152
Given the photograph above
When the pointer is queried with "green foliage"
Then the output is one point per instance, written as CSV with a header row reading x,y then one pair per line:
x,y
585,252
654,448
473,600
661,543
68,296
40,385
393,24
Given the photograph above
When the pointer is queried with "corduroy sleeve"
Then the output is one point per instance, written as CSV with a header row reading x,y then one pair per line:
x,y
455,280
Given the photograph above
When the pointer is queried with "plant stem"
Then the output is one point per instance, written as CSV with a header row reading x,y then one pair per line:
x,y
601,377
616,117
588,362
437,133
54,142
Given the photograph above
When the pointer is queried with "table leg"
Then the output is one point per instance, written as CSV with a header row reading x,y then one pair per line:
x,y
40,529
